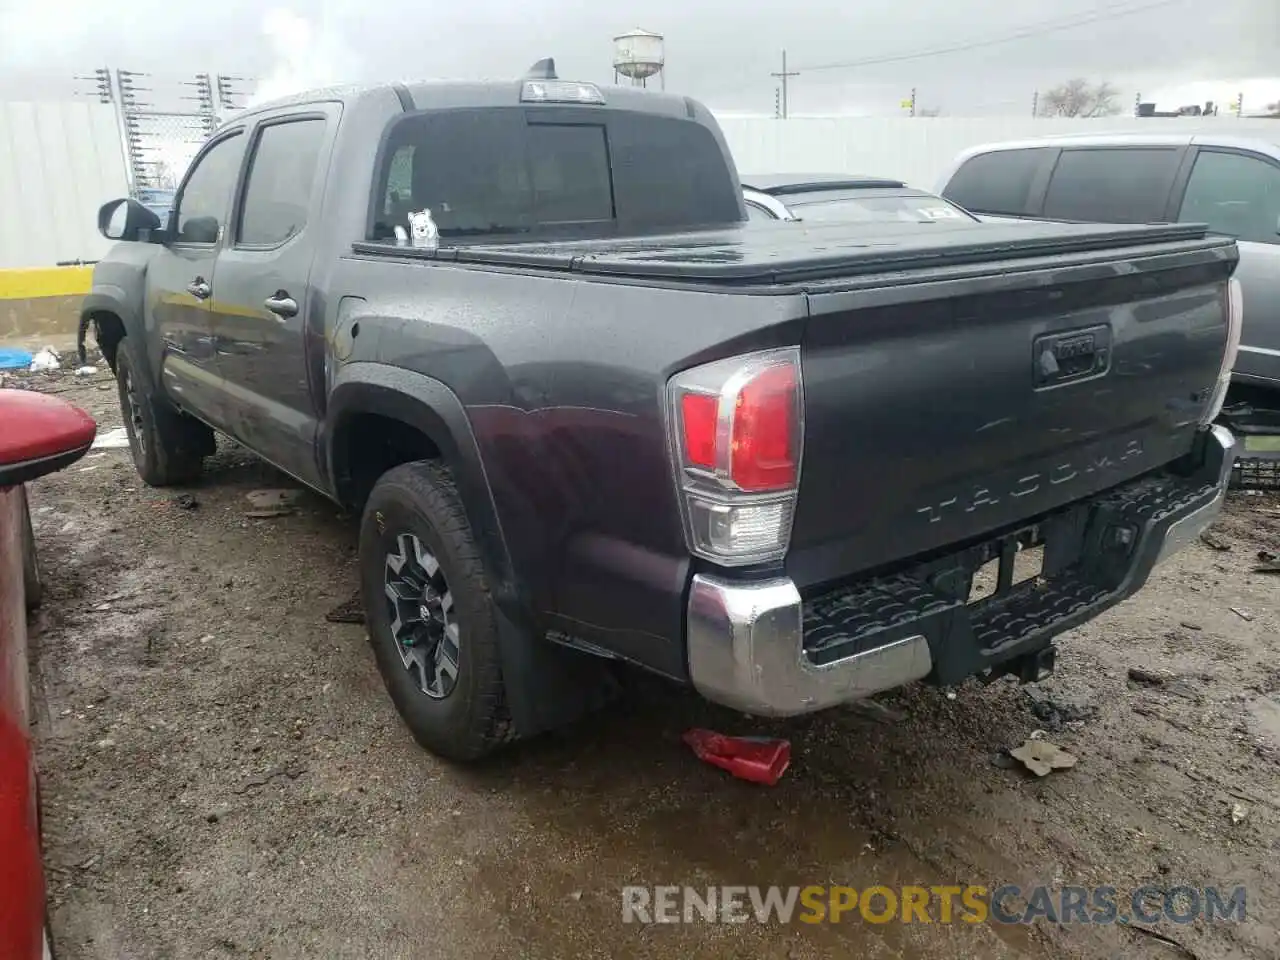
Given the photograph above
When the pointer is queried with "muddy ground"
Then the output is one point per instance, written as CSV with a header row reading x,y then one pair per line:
x,y
223,775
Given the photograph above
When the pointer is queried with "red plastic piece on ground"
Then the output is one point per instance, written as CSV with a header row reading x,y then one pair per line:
x,y
757,759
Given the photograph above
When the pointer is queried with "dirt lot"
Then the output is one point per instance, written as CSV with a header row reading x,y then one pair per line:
x,y
223,775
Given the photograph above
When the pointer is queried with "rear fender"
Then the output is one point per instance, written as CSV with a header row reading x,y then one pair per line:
x,y
435,411
546,686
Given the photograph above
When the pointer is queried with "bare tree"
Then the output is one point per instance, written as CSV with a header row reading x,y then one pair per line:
x,y
1080,98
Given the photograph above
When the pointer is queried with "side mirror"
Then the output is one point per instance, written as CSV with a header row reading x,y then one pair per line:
x,y
42,434
127,219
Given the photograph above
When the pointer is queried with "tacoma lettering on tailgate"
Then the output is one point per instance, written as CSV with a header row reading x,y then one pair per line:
x,y
986,495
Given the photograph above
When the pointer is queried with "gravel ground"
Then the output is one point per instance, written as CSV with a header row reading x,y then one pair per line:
x,y
223,775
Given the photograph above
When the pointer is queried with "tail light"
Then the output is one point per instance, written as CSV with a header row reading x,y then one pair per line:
x,y
1235,320
737,431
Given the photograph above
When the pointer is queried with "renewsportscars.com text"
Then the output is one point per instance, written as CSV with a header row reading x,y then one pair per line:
x,y
971,903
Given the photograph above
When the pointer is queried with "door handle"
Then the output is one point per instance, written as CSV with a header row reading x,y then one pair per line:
x,y
281,304
199,288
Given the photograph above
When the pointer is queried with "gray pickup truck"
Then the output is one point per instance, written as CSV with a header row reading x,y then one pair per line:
x,y
591,415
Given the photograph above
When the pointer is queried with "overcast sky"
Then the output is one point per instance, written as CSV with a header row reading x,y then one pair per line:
x,y
721,52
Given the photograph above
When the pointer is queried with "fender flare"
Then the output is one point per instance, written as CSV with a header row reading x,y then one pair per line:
x,y
434,410
106,298
546,686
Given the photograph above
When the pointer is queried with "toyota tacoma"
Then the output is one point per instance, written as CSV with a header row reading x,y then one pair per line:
x,y
590,415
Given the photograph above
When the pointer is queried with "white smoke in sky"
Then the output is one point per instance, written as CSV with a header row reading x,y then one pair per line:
x,y
304,55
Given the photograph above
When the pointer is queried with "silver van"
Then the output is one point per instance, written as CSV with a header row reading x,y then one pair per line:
x,y
1232,184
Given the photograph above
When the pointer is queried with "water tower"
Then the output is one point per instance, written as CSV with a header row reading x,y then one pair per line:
x,y
638,54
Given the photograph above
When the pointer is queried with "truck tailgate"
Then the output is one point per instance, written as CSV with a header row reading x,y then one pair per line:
x,y
939,409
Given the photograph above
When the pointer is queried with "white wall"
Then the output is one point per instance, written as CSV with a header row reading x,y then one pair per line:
x,y
919,149
59,162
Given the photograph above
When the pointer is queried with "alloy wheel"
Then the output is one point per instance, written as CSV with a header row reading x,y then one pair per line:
x,y
423,620
133,400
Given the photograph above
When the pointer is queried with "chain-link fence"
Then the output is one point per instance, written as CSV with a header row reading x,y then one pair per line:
x,y
161,145
164,120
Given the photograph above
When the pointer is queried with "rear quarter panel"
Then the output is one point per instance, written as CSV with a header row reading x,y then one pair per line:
x,y
563,382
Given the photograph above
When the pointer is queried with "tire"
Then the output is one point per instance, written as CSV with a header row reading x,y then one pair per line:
x,y
168,447
32,578
419,502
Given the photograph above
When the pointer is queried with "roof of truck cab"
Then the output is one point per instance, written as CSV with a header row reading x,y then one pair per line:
x,y
444,94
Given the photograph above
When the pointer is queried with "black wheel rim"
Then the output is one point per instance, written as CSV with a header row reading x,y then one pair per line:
x,y
420,608
133,412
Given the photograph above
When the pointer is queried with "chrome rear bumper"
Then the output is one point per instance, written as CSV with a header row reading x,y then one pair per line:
x,y
1181,532
746,639
746,652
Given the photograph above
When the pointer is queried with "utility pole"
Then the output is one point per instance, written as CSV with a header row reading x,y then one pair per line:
x,y
783,76
777,103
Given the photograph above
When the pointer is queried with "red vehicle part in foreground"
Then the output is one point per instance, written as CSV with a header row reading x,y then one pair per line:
x,y
758,759
38,435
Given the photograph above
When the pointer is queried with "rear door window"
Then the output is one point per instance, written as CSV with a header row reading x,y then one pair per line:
x,y
1235,194
999,182
1112,184
277,196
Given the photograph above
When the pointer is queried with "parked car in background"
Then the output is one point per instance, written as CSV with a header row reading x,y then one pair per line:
x,y
41,434
159,202
840,196
1231,184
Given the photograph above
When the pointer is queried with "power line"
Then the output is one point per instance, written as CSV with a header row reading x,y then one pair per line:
x,y
1038,30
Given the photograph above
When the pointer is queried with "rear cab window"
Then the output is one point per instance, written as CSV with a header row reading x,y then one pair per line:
x,y
514,171
1112,184
999,182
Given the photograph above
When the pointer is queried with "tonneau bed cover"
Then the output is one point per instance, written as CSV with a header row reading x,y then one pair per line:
x,y
767,253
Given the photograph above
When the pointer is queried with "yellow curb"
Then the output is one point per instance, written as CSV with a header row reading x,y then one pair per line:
x,y
37,282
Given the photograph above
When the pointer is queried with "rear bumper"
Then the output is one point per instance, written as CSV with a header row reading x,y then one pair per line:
x,y
1188,527
757,646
